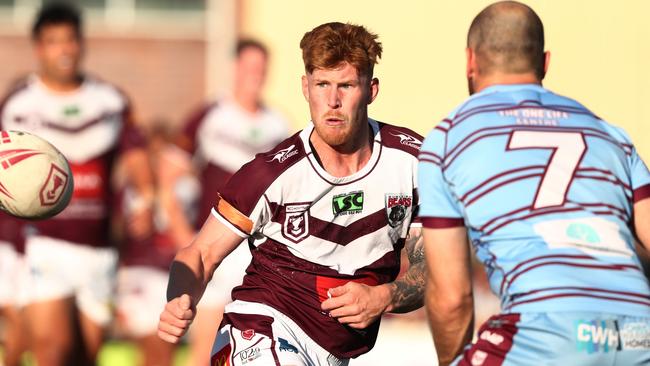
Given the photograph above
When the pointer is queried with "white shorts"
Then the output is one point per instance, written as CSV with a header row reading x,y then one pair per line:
x,y
230,273
141,297
14,276
254,334
60,269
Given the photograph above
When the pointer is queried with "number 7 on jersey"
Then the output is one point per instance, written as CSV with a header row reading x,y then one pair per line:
x,y
568,150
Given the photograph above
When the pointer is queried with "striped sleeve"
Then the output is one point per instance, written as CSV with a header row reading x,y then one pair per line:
x,y
640,177
438,207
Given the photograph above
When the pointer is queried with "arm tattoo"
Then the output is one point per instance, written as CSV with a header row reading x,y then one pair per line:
x,y
408,290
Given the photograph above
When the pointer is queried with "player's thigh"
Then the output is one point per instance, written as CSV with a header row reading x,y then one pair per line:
x,y
50,323
248,339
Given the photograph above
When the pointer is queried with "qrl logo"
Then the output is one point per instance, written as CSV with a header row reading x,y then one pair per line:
x,y
54,186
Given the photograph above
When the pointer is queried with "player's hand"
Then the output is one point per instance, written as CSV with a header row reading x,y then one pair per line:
x,y
356,304
176,318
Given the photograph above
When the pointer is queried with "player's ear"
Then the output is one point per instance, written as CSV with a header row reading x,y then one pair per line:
x,y
547,61
305,87
374,89
471,63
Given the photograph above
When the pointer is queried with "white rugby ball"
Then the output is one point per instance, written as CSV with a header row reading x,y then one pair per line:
x,y
35,178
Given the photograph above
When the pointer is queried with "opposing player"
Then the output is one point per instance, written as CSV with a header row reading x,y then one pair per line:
x,y
220,138
70,259
326,213
551,197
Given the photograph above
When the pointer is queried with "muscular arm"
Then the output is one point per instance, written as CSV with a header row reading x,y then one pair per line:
x,y
359,305
448,296
642,222
189,274
407,291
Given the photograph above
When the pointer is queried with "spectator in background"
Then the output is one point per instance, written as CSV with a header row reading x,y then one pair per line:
x,y
70,257
215,142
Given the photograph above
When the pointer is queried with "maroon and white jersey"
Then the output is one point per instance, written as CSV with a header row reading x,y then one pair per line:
x,y
223,137
310,231
88,126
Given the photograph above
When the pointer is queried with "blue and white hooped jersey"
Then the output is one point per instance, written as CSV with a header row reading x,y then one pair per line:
x,y
546,190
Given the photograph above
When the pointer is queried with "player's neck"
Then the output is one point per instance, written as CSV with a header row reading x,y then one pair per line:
x,y
497,78
343,161
60,85
246,101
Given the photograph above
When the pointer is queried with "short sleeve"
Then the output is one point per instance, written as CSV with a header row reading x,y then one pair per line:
x,y
438,207
241,204
640,177
186,138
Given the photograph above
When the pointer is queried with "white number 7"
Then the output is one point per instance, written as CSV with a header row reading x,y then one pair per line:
x,y
568,150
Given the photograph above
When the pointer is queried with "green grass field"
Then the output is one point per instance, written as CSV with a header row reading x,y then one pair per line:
x,y
116,353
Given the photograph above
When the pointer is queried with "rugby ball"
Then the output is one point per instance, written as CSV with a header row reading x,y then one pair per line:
x,y
35,178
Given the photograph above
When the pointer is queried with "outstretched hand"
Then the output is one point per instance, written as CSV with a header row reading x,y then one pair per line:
x,y
356,304
176,318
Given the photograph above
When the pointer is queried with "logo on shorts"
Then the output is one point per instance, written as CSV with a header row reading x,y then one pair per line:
x,y
396,208
296,222
478,358
249,354
347,203
635,336
597,335
408,140
221,358
286,346
283,154
248,334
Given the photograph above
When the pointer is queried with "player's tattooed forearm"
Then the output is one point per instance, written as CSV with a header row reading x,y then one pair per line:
x,y
408,291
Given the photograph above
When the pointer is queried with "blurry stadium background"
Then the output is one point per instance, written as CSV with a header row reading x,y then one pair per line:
x,y
171,55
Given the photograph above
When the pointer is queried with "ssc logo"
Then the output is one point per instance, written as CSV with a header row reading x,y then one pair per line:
x,y
296,222
397,206
348,203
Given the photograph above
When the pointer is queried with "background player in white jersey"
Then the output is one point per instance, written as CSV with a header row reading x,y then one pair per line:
x,y
220,138
70,258
551,197
326,213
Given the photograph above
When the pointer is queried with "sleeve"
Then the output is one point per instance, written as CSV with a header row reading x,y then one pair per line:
x,y
186,138
640,177
242,205
131,136
438,206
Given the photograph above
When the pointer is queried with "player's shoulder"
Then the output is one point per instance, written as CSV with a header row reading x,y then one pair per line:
x,y
95,86
17,88
400,138
267,166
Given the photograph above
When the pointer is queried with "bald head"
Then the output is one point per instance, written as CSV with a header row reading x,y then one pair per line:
x,y
508,37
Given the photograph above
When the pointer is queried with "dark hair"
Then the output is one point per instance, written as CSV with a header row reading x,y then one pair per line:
x,y
245,43
331,44
508,36
57,13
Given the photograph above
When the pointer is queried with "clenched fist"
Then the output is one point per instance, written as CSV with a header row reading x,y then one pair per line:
x,y
176,318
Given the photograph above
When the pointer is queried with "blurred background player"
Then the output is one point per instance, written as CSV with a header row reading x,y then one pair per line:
x,y
220,138
13,285
144,261
71,261
553,215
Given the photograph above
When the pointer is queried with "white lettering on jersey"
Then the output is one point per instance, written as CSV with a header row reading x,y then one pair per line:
x,y
284,154
408,140
568,149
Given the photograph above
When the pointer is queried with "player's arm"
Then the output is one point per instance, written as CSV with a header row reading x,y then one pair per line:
x,y
407,292
138,170
642,222
448,298
190,272
174,164
359,305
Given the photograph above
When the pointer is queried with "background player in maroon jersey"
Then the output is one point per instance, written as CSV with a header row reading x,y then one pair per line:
x,y
342,150
71,260
216,141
